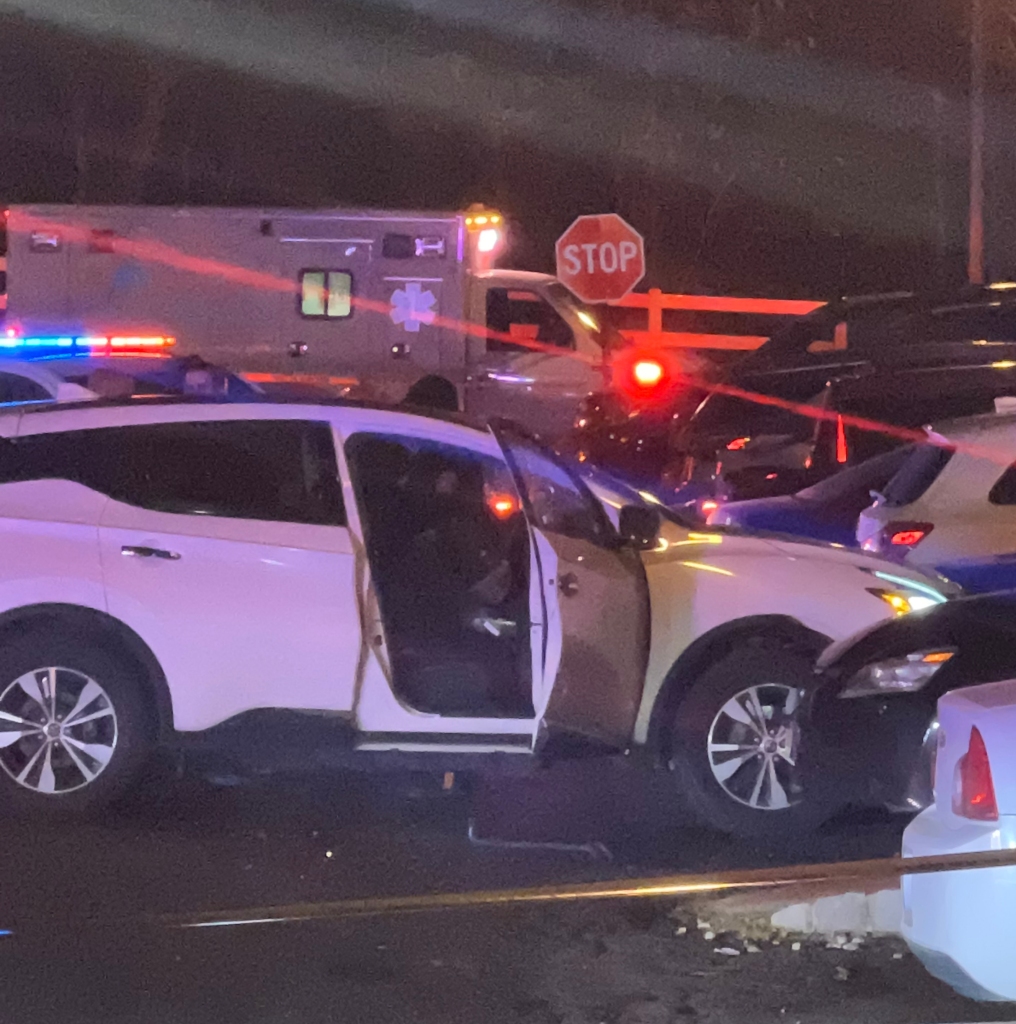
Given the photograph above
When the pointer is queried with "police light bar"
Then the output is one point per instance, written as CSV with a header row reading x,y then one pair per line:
x,y
91,344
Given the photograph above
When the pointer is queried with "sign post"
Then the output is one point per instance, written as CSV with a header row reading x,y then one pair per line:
x,y
600,258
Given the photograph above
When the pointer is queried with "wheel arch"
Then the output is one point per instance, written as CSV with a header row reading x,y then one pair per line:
x,y
711,647
113,635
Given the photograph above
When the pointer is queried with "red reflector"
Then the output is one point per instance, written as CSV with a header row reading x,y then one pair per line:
x,y
974,792
737,444
647,373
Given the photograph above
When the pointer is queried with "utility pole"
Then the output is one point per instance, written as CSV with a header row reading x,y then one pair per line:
x,y
975,260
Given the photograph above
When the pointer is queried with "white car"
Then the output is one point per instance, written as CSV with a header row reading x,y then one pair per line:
x,y
428,587
952,499
962,924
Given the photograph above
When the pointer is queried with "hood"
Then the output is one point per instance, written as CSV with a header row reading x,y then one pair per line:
x,y
680,544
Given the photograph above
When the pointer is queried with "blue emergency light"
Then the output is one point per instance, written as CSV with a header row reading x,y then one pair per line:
x,y
89,344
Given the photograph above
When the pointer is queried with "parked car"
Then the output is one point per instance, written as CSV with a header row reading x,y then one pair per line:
x,y
952,499
869,724
423,587
899,360
827,511
79,377
962,924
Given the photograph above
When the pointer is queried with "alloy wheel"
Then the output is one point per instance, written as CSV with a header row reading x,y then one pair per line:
x,y
58,730
753,745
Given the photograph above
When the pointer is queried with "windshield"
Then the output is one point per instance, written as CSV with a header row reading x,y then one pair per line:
x,y
604,333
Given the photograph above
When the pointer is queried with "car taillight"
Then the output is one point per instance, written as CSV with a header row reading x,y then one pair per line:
x,y
907,535
896,539
974,791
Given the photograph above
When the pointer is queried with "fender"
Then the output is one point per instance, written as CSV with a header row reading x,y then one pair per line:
x,y
113,635
709,648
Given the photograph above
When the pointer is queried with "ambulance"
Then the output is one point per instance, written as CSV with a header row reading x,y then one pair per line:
x,y
361,302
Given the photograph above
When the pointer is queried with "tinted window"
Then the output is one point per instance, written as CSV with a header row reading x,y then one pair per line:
x,y
557,503
872,475
917,474
20,389
274,470
729,416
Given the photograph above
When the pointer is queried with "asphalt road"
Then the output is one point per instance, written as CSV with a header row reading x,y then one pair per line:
x,y
87,944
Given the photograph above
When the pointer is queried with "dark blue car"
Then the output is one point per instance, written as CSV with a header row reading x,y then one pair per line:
x,y
827,511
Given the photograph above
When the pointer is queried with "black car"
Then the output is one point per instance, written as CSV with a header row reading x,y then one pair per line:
x,y
869,727
900,360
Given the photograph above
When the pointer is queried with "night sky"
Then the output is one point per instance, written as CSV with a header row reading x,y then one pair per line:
x,y
777,146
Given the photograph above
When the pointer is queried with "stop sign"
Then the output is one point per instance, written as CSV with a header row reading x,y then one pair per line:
x,y
600,257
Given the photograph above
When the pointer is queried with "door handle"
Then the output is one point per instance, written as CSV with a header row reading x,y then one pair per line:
x,y
568,584
140,551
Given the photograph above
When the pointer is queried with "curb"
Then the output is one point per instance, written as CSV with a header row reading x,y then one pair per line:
x,y
829,915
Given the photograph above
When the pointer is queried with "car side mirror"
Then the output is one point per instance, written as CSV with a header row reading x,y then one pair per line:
x,y
639,526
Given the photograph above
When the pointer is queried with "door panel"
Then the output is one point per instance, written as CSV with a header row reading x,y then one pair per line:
x,y
596,598
241,614
528,369
604,620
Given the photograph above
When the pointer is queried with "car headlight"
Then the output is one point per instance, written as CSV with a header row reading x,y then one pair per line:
x,y
907,674
903,602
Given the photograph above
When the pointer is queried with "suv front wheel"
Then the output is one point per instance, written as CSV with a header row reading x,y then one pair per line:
x,y
74,726
735,745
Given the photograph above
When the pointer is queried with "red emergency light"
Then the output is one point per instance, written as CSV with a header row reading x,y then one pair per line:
x,y
90,344
647,373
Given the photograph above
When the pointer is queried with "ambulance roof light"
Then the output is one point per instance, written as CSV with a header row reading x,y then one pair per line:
x,y
478,218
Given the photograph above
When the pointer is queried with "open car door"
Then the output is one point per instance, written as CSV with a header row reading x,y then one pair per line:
x,y
595,596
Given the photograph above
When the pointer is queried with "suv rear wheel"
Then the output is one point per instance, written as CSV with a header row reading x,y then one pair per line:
x,y
736,745
74,725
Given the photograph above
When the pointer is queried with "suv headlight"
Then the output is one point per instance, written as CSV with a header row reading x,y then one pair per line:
x,y
907,674
903,602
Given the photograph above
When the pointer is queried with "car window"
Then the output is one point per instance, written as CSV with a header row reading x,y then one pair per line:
x,y
273,470
15,388
917,474
872,474
419,473
184,377
730,416
555,500
527,316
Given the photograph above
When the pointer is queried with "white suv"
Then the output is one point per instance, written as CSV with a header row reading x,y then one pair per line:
x,y
429,587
